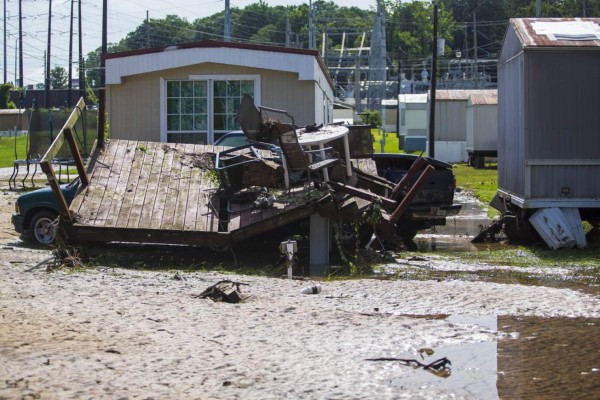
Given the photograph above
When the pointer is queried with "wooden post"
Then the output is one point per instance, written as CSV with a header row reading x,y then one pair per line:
x,y
77,157
101,120
403,205
53,150
60,198
416,166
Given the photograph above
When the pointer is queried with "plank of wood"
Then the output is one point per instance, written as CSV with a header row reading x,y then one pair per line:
x,y
149,150
193,199
208,216
87,202
105,184
159,204
96,154
120,187
173,191
192,238
134,176
184,188
235,219
147,207
60,138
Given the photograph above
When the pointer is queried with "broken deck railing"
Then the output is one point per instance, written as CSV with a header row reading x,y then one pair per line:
x,y
66,133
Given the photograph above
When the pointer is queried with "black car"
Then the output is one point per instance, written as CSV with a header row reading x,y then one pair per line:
x,y
432,204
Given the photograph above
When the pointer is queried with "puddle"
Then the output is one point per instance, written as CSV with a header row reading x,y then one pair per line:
x,y
456,235
432,243
534,358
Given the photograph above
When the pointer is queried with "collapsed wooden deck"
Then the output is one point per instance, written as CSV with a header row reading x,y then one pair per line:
x,y
167,193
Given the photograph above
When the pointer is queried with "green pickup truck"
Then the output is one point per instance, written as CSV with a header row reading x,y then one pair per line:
x,y
36,212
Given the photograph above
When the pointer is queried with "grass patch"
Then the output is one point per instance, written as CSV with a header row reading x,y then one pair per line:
x,y
533,256
7,150
482,182
391,141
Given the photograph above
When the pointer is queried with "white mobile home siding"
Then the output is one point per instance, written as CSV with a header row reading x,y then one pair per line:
x,y
482,127
549,121
288,79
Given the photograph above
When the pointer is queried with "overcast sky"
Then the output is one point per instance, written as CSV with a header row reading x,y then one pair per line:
x,y
123,17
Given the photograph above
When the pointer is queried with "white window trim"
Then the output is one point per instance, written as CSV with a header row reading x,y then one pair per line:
x,y
163,109
210,79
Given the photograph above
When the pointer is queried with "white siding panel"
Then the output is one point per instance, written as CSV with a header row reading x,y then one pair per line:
x,y
306,66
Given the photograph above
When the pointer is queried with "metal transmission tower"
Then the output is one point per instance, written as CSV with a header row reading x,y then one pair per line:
x,y
227,25
312,29
377,60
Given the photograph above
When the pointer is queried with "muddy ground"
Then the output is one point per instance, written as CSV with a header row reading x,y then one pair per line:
x,y
124,332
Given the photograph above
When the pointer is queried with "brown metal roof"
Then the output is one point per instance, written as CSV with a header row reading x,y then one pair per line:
x,y
460,94
490,98
211,44
557,32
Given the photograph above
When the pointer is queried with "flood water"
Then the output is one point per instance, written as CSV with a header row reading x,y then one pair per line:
x,y
534,358
459,230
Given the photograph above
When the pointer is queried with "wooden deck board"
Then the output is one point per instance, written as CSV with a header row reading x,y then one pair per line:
x,y
135,174
111,180
184,188
162,189
120,189
174,179
193,196
142,186
148,206
93,194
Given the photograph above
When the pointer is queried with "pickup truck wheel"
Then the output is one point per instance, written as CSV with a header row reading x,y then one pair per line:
x,y
43,227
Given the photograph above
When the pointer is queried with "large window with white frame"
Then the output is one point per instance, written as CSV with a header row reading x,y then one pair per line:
x,y
202,109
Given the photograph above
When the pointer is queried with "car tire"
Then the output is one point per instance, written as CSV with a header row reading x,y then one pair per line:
x,y
42,228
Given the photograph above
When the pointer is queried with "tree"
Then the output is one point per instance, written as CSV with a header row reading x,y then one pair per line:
x,y
159,32
410,39
58,78
5,102
92,64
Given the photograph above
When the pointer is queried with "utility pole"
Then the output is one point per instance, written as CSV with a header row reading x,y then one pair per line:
x,y
147,29
538,8
312,42
431,151
287,30
5,41
398,97
357,101
475,49
70,84
104,42
584,13
20,45
227,28
47,86
81,67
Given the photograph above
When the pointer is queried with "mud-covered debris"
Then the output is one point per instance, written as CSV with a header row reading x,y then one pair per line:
x,y
226,291
204,161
